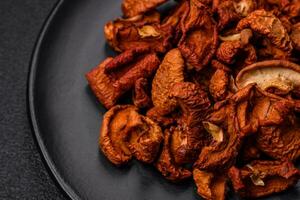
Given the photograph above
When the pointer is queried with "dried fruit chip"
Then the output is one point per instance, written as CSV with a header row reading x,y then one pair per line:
x,y
268,25
262,178
295,36
283,75
244,7
148,31
278,135
199,40
237,49
215,131
170,71
210,186
189,137
230,115
165,163
109,87
227,14
125,133
141,98
291,9
116,125
145,140
133,8
139,31
219,82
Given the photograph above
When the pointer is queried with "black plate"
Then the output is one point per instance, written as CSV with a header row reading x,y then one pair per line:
x,y
66,117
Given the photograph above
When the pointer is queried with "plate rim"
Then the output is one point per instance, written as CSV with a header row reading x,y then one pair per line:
x,y
31,103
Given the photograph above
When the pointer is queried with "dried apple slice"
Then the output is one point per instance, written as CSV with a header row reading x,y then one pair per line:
x,y
279,74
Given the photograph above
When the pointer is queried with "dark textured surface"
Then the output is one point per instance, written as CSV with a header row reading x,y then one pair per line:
x,y
23,174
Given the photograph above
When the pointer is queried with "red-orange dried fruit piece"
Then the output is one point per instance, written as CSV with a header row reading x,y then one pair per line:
x,y
116,125
145,139
141,98
133,8
278,135
200,38
230,116
109,87
279,74
166,165
189,136
268,25
125,133
219,82
140,31
210,186
262,178
170,71
295,36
